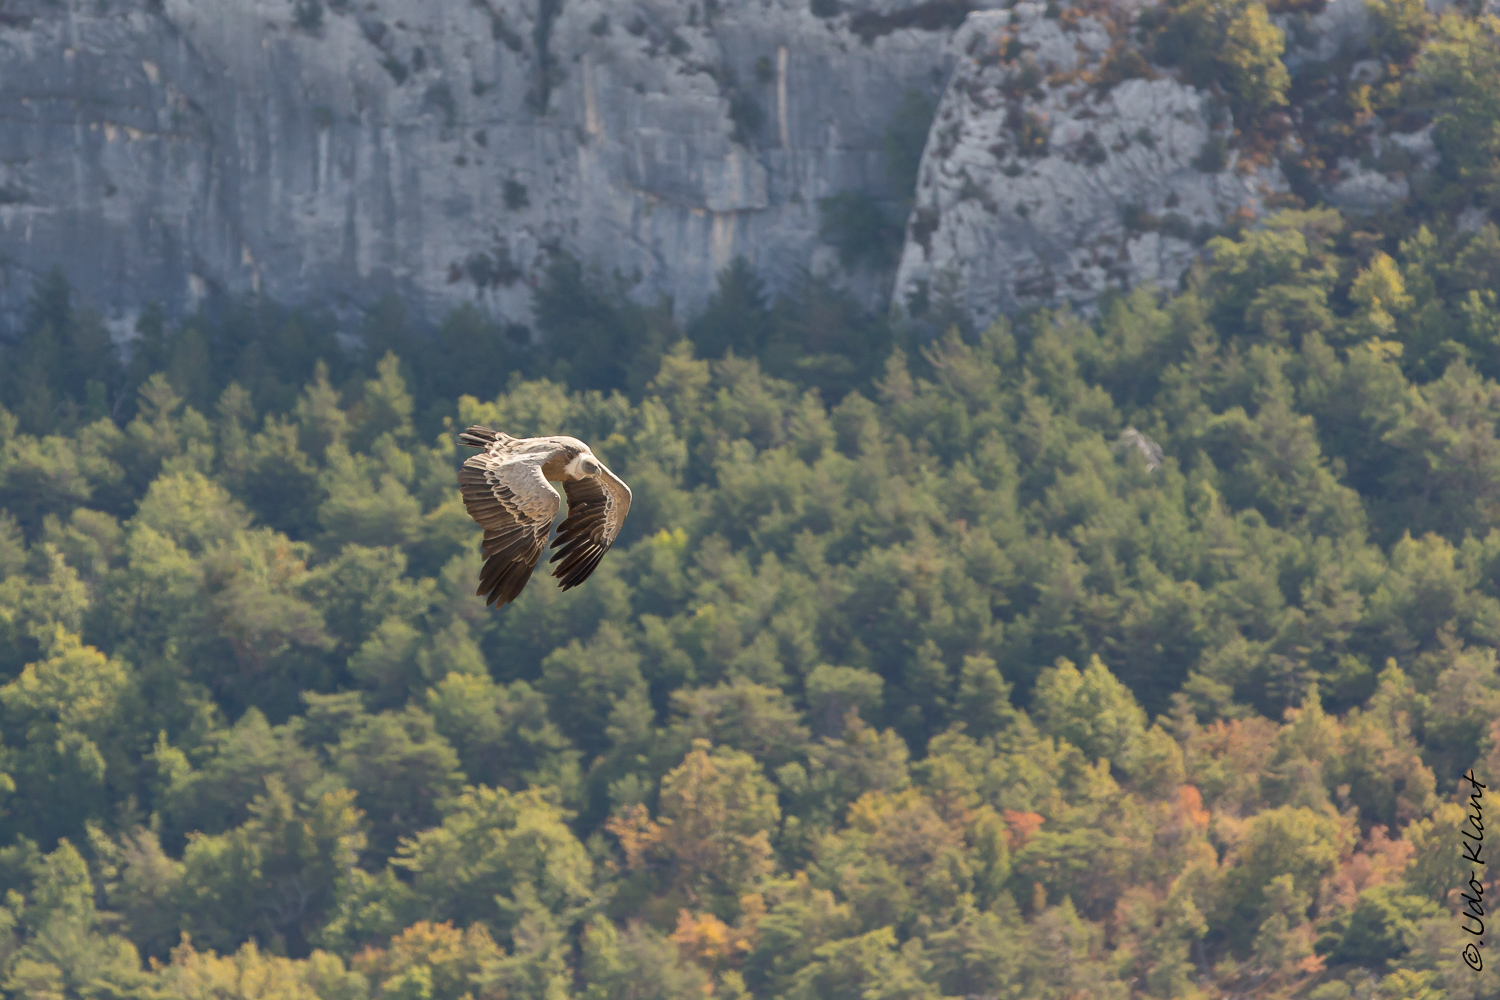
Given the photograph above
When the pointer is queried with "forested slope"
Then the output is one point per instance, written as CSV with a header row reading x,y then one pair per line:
x,y
906,680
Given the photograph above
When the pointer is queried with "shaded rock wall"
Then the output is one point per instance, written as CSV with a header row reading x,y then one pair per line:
x,y
161,149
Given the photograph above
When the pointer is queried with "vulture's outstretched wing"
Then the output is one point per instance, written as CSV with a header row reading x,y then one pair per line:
x,y
596,509
514,503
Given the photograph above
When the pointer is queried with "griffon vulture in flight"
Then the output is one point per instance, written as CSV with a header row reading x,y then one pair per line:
x,y
507,490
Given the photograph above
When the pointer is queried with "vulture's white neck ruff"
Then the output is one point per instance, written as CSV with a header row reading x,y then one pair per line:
x,y
574,469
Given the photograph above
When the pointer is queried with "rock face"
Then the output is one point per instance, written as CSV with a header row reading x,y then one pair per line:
x,y
161,149
333,150
1045,180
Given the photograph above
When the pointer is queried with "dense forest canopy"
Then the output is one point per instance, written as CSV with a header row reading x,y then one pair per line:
x,y
909,678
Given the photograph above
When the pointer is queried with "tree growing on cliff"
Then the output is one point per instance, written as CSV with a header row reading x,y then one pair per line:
x,y
1230,44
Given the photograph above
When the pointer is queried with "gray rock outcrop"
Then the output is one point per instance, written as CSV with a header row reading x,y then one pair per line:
x,y
1044,181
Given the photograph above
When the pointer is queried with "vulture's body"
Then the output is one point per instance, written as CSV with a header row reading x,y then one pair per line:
x,y
507,488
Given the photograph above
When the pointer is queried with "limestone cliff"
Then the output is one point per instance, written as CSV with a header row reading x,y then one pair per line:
x,y
1063,162
1046,181
331,151
159,149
